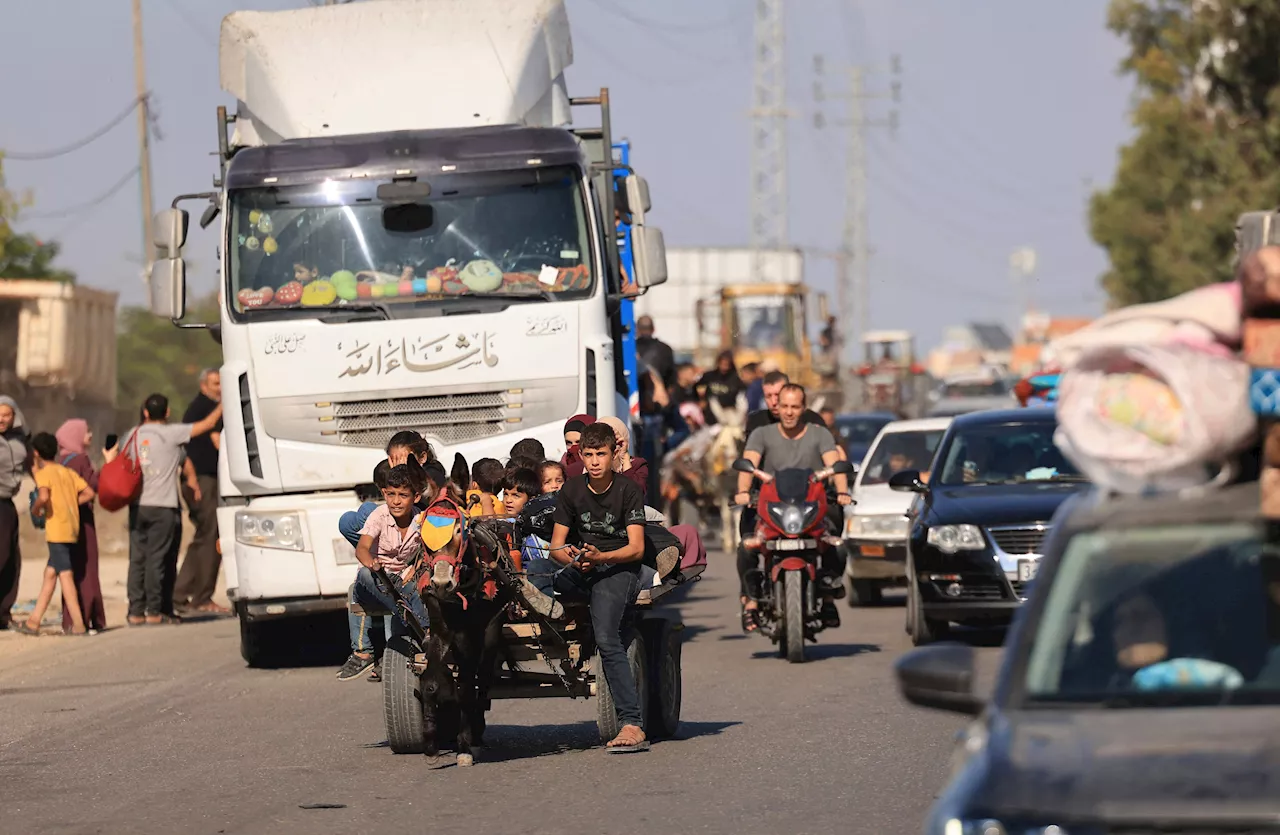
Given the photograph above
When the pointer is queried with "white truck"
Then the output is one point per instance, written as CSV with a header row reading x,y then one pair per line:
x,y
412,237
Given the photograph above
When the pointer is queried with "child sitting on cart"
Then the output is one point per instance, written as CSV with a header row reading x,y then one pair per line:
x,y
390,541
603,516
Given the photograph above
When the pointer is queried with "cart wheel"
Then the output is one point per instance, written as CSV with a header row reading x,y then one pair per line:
x,y
665,639
402,698
606,712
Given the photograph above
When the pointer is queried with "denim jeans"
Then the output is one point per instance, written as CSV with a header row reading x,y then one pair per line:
x,y
654,428
349,525
366,596
613,593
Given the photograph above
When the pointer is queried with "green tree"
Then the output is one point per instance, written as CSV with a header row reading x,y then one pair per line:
x,y
1207,147
23,255
154,357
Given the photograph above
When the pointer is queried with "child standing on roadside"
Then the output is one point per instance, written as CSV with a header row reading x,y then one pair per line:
x,y
61,492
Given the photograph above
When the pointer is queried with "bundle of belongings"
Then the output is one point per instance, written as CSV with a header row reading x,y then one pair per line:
x,y
1156,397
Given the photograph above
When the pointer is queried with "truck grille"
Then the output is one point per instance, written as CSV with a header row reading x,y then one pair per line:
x,y
1019,540
448,418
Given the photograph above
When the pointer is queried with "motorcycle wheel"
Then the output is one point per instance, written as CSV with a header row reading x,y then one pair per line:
x,y
793,617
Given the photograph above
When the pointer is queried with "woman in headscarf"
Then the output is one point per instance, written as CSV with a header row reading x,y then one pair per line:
x,y
74,438
13,465
572,461
624,463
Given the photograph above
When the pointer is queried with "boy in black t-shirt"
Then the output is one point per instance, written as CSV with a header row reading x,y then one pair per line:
x,y
605,514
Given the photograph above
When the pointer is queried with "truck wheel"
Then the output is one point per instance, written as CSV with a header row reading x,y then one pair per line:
x,y
606,711
664,639
402,698
255,643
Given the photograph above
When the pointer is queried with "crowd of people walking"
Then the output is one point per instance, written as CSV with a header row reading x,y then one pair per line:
x,y
173,462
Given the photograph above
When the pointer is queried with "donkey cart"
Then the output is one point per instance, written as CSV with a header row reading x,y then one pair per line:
x,y
547,659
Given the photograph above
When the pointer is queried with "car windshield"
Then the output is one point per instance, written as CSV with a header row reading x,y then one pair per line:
x,y
974,388
1154,616
898,451
860,430
328,248
767,323
1005,453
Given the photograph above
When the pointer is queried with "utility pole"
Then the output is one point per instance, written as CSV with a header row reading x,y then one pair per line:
x,y
853,283
1022,266
768,135
144,141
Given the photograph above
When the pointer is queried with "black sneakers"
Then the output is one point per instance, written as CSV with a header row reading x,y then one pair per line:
x,y
356,666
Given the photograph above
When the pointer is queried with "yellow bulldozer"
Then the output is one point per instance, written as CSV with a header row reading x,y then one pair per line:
x,y
767,324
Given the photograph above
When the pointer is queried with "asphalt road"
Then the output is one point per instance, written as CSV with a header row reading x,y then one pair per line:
x,y
164,729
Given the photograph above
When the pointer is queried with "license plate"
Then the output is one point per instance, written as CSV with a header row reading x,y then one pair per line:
x,y
1027,570
343,552
793,544
871,550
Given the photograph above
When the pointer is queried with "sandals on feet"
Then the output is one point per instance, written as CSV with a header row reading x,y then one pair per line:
x,y
749,622
136,620
25,629
628,741
159,620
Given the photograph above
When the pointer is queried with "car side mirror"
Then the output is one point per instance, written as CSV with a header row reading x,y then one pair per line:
x,y
842,468
636,189
907,481
939,677
742,465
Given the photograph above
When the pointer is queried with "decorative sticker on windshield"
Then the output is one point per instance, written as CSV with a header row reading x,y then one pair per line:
x,y
418,356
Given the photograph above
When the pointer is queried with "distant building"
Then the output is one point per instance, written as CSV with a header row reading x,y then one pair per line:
x,y
970,347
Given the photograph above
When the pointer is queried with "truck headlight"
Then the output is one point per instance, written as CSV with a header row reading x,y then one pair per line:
x,y
266,529
878,527
952,538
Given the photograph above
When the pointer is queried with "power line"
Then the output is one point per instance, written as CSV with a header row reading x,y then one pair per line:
x,y
85,206
663,26
194,25
36,156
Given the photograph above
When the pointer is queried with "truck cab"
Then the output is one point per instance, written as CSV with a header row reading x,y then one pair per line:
x,y
460,280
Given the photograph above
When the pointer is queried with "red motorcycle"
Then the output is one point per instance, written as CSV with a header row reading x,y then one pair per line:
x,y
791,534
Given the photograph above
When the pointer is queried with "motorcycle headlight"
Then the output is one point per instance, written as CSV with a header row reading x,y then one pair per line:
x,y
878,527
793,519
952,538
266,529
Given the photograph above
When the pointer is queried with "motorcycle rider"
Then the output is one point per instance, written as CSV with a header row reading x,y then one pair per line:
x,y
791,443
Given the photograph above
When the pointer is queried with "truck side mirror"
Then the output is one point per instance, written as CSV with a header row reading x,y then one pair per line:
x,y
169,231
167,286
650,255
637,190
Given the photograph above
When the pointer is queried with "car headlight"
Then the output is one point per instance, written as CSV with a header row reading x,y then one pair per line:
x,y
952,538
793,519
892,526
991,826
269,530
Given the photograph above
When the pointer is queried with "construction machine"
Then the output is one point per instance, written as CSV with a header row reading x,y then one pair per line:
x,y
890,379
767,324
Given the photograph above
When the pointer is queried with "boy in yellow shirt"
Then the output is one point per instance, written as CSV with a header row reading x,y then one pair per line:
x,y
61,492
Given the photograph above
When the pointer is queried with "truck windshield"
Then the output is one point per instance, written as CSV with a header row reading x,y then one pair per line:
x,y
334,246
767,323
1168,616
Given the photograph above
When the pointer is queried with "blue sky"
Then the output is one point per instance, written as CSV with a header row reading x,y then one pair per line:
x,y
1011,112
